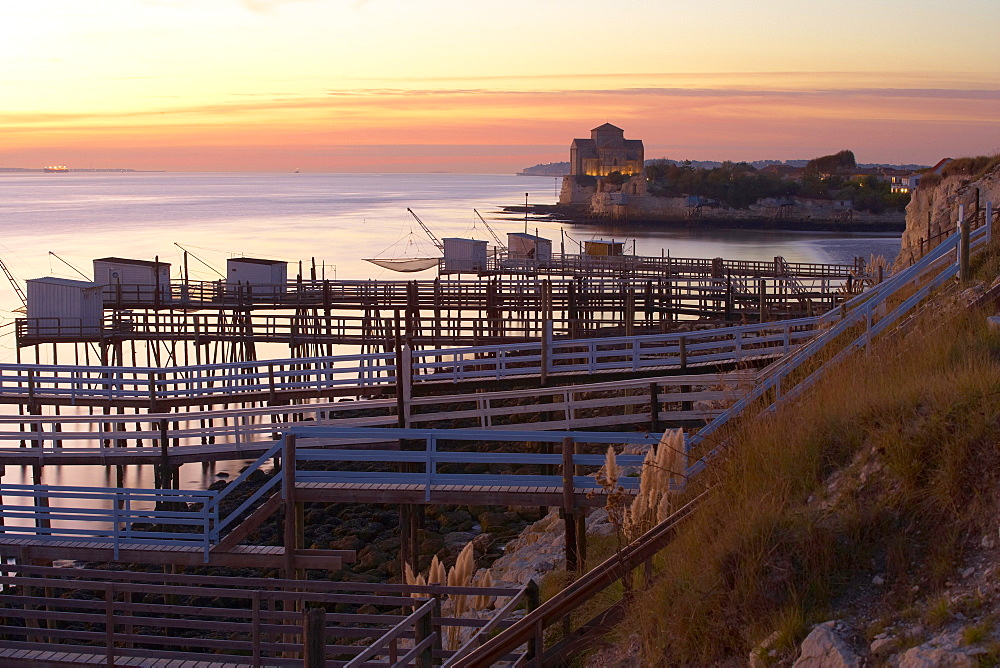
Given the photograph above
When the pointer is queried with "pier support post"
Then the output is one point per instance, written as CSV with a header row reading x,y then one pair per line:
x,y
569,506
292,533
654,408
989,222
963,249
314,637
536,644
543,373
424,628
762,298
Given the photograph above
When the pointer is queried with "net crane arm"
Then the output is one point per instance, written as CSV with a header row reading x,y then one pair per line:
x,y
13,283
85,277
434,239
500,244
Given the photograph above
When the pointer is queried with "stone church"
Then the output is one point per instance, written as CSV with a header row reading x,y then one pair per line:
x,y
605,152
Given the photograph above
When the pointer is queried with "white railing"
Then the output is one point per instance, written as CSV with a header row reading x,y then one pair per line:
x,y
723,345
123,438
115,517
871,309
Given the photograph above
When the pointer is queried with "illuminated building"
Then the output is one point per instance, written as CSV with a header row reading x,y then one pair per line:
x,y
605,152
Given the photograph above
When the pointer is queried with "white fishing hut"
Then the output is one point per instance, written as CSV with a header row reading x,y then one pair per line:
x,y
464,255
257,271
143,281
602,248
64,306
521,246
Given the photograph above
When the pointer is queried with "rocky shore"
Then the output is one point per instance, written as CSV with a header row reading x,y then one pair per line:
x,y
574,215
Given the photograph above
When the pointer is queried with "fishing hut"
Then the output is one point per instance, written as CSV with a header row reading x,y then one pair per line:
x,y
521,246
135,281
256,271
603,248
464,255
257,276
64,306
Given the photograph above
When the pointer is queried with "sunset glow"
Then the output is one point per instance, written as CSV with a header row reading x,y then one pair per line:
x,y
435,85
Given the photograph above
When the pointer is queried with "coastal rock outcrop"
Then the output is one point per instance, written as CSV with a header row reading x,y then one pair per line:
x,y
933,210
824,648
944,650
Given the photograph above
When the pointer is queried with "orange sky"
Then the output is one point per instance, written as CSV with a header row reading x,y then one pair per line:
x,y
442,85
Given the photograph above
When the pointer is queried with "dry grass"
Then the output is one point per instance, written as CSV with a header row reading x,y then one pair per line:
x,y
460,575
780,543
973,167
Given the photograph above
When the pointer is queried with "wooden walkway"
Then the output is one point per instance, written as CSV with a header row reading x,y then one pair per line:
x,y
873,312
30,550
80,617
458,495
571,264
425,371
245,433
517,282
436,313
40,622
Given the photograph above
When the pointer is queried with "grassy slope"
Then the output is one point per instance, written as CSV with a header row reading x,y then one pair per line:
x,y
885,468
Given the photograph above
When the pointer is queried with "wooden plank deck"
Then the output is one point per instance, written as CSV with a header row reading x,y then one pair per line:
x,y
247,556
396,493
15,653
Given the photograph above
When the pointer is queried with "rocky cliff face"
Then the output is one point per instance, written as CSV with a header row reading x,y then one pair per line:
x,y
933,211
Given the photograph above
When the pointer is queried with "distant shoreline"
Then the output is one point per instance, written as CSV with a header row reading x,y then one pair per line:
x,y
42,170
569,215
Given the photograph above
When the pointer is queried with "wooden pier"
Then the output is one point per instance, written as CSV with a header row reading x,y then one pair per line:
x,y
427,371
373,316
66,617
569,264
44,623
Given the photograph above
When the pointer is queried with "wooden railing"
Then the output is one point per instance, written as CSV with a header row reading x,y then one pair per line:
x,y
118,517
88,616
588,307
125,438
626,272
431,457
648,266
876,309
528,633
121,517
548,357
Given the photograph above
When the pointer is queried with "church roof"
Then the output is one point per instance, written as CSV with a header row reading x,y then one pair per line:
x,y
607,126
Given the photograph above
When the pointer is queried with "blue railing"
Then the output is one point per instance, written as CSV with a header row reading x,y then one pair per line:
x,y
871,308
123,517
108,516
431,457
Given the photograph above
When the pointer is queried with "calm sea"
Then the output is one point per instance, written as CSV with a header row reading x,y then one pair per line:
x,y
54,222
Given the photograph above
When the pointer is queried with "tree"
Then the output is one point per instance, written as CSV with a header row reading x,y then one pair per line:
x,y
831,164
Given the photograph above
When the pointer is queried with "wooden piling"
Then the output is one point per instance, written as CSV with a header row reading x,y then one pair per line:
x,y
569,506
314,637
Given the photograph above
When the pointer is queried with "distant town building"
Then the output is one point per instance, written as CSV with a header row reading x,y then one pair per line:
x,y
783,171
900,180
605,152
904,184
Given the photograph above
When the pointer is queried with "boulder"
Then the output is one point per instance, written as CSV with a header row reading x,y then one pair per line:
x,y
482,542
824,648
926,656
884,644
945,651
456,540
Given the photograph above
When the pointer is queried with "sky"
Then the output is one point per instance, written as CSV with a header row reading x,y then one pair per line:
x,y
490,86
